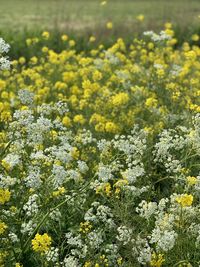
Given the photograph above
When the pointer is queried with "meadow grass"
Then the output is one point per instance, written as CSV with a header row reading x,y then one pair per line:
x,y
21,19
87,14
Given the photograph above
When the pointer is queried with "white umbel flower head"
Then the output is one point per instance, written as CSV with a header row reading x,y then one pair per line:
x,y
4,48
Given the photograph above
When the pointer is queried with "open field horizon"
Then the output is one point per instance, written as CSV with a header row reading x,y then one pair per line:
x,y
84,14
80,19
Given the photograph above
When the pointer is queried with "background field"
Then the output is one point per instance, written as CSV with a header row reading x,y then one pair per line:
x,y
82,18
83,14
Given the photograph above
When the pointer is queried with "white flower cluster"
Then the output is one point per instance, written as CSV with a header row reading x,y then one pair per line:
x,y
162,36
31,207
28,227
4,48
164,240
26,97
124,234
146,209
99,213
12,160
52,255
70,261
167,147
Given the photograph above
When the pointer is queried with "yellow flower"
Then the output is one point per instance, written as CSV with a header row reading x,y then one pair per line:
x,y
109,25
185,200
191,180
18,265
2,84
41,243
28,42
22,60
169,32
6,165
79,119
66,121
3,227
97,75
4,195
64,37
92,39
3,255
100,127
103,3
34,60
140,17
72,43
119,261
60,191
85,227
121,182
46,35
120,99
157,260
45,49
111,127
151,102
75,153
6,116
105,188
168,25
195,37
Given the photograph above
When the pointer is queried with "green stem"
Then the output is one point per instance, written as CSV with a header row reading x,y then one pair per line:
x,y
25,247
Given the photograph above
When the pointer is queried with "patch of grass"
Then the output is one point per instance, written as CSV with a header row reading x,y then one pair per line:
x,y
21,19
83,14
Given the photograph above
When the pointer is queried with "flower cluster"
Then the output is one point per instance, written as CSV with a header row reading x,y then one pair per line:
x,y
4,48
100,155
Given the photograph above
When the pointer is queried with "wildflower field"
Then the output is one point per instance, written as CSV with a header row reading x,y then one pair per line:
x,y
100,150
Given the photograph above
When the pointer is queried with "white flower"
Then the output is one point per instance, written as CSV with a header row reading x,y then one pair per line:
x,y
33,179
131,174
31,206
82,166
12,160
104,173
52,255
95,239
4,63
4,47
26,97
59,175
157,37
146,209
28,227
124,234
70,262
165,240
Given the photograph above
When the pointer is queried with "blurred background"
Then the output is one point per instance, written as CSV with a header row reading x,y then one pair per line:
x,y
80,19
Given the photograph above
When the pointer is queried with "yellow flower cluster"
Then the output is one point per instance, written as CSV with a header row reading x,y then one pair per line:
x,y
157,260
103,261
3,227
191,180
120,99
185,200
108,91
60,191
85,227
4,195
41,243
